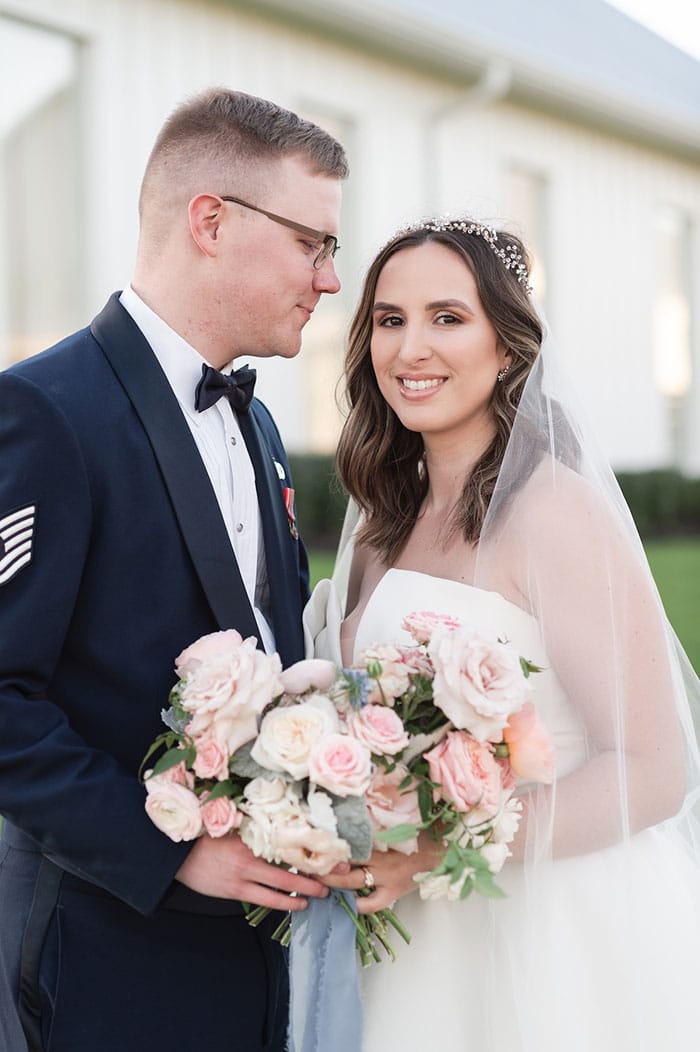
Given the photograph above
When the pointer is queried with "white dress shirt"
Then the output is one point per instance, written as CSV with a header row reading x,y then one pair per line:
x,y
223,452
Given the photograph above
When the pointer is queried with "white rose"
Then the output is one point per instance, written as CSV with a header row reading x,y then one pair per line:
x,y
174,809
507,822
478,681
256,833
288,733
495,855
270,793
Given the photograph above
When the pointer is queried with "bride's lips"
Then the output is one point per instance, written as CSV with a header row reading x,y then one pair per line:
x,y
418,388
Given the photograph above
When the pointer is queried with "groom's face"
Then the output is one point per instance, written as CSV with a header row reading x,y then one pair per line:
x,y
268,283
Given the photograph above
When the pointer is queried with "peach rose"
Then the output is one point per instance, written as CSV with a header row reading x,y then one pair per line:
x,y
288,733
393,680
211,760
467,773
220,816
341,764
478,681
174,809
314,672
379,727
390,806
530,748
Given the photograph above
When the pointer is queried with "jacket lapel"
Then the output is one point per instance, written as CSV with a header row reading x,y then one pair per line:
x,y
280,546
193,499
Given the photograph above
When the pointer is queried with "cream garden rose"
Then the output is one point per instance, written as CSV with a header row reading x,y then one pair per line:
x,y
288,733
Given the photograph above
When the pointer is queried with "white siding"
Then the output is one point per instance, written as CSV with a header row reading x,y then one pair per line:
x,y
415,148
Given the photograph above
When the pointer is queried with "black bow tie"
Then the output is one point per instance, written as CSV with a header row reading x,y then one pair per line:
x,y
237,387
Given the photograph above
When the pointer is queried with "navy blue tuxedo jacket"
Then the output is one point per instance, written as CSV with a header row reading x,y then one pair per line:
x,y
130,562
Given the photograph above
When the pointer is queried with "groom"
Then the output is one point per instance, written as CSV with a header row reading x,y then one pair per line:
x,y
143,503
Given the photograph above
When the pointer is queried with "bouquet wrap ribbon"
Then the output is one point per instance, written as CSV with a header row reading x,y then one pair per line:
x,y
325,1005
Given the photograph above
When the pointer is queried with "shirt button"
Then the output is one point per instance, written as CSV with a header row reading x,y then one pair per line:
x,y
233,440
239,527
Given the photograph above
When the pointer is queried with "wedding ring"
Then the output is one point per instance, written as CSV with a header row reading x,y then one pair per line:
x,y
370,882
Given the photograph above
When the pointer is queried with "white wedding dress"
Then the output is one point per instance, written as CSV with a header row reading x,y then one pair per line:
x,y
594,953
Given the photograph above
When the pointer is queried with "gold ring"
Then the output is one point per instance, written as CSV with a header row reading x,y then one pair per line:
x,y
370,882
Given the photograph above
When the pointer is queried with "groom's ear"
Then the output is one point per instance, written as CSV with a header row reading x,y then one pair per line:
x,y
206,215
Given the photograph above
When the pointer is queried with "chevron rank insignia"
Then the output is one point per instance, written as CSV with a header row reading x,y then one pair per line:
x,y
16,539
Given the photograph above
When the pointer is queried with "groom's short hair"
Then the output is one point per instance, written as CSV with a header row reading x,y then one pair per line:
x,y
224,141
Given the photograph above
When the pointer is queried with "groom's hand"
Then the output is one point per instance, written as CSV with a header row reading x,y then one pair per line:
x,y
226,869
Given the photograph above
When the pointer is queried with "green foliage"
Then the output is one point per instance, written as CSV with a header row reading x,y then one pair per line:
x,y
663,502
320,499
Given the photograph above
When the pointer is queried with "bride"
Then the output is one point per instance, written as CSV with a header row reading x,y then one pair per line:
x,y
481,495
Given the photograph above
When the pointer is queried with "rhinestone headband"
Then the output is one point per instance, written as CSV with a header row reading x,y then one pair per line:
x,y
508,254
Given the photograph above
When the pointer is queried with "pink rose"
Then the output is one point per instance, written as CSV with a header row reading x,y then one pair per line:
x,y
177,775
341,764
220,816
417,660
467,773
211,760
173,808
379,728
207,647
314,672
530,748
478,681
393,680
310,850
422,623
390,806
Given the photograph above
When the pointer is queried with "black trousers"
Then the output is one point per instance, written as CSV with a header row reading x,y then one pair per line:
x,y
81,971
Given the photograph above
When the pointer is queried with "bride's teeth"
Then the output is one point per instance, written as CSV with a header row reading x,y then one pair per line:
x,y
420,385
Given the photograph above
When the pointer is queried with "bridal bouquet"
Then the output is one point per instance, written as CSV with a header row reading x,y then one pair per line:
x,y
316,765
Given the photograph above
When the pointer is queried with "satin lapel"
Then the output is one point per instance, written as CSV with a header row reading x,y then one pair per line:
x,y
280,547
185,476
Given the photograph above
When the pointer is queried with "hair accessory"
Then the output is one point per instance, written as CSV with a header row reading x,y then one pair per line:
x,y
508,254
502,375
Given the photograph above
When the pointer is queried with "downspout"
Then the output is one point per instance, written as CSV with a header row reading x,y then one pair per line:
x,y
492,86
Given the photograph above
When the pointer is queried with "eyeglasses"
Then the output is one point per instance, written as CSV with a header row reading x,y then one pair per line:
x,y
329,243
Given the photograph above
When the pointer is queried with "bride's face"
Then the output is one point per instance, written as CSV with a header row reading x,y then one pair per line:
x,y
434,351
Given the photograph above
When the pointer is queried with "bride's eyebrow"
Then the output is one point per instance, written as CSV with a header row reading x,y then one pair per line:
x,y
446,304
384,306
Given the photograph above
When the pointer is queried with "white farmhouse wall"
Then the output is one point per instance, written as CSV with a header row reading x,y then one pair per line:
x,y
412,152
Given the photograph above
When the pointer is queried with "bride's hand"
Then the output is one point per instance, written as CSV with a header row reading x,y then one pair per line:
x,y
391,871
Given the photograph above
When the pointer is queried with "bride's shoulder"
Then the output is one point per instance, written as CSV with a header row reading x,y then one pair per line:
x,y
558,506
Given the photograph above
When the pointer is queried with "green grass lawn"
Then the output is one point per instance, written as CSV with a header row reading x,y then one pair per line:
x,y
676,567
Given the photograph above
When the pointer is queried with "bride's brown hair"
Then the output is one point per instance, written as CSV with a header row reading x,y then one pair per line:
x,y
379,461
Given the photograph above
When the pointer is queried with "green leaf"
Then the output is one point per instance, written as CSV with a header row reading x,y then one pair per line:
x,y
164,740
170,759
397,834
226,788
243,764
